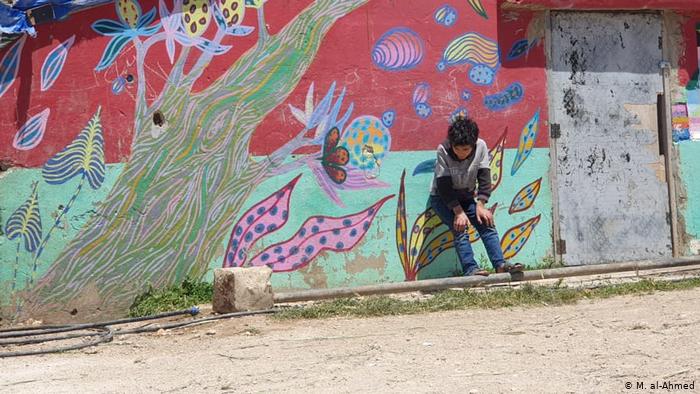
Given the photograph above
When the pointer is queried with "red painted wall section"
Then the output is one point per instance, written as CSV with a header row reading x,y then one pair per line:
x,y
344,57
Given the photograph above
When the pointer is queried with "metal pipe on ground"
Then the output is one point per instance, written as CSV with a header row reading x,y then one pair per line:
x,y
477,281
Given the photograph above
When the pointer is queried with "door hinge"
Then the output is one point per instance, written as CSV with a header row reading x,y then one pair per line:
x,y
554,131
561,246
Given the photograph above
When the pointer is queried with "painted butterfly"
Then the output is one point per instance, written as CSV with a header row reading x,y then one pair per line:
x,y
334,157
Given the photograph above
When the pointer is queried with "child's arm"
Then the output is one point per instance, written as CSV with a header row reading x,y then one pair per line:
x,y
483,178
443,178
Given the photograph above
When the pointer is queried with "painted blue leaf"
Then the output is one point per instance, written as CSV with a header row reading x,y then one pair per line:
x,y
212,47
239,31
108,27
322,108
149,31
146,18
113,50
218,17
53,65
9,65
518,49
25,222
118,85
425,167
31,134
85,155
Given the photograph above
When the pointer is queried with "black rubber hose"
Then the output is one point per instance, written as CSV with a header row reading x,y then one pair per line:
x,y
33,331
107,336
193,322
24,341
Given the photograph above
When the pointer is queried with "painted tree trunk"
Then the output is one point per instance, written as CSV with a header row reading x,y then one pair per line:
x,y
172,207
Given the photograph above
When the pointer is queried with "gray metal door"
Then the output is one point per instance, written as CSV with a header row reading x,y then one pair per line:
x,y
611,194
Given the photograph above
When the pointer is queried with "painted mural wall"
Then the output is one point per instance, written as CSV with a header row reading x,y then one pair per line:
x,y
152,141
686,129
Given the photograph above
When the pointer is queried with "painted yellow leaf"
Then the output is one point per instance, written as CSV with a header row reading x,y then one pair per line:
x,y
515,238
525,197
496,155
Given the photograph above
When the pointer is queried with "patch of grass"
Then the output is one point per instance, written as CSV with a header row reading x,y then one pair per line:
x,y
190,292
526,295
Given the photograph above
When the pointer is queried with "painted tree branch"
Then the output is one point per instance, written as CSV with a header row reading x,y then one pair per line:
x,y
176,199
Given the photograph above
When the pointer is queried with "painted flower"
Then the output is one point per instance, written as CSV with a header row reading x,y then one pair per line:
x,y
132,23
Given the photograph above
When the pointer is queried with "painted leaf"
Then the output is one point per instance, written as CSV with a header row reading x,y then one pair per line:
x,y
515,238
254,3
298,114
85,155
496,163
53,65
265,217
212,47
31,134
423,228
478,7
146,19
525,197
518,49
425,167
9,65
317,234
527,142
322,109
108,27
442,242
309,102
401,236
239,31
25,222
114,48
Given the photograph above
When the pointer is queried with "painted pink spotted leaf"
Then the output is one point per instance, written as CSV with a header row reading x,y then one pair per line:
x,y
264,218
318,233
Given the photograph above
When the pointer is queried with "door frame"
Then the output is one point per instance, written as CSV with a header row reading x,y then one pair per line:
x,y
665,137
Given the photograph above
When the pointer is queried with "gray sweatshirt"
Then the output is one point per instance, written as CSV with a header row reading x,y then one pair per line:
x,y
456,180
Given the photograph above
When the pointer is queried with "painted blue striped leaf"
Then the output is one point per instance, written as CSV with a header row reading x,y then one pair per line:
x,y
149,31
108,27
9,65
114,48
212,47
425,167
53,65
25,222
146,18
85,155
31,134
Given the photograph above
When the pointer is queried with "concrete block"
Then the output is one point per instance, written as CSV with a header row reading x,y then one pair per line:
x,y
242,289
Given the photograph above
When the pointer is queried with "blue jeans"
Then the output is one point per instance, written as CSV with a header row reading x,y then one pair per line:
x,y
488,235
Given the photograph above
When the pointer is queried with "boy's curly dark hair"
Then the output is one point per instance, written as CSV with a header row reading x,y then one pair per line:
x,y
463,131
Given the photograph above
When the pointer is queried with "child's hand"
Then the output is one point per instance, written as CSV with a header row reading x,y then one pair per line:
x,y
484,216
461,222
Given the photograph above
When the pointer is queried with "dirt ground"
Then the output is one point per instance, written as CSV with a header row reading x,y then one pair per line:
x,y
593,346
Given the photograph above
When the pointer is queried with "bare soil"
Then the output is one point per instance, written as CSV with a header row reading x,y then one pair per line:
x,y
593,346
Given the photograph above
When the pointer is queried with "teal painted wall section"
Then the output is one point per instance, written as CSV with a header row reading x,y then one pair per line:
x,y
690,168
16,188
375,258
